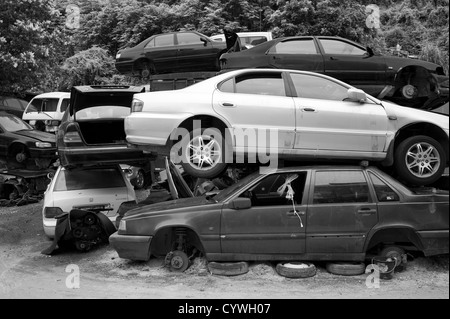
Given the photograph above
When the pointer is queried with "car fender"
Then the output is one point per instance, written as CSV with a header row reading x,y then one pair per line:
x,y
392,233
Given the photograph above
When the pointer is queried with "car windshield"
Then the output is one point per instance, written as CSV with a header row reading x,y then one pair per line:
x,y
225,193
12,123
95,178
43,105
103,112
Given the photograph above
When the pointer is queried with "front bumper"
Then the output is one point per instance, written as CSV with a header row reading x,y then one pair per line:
x,y
131,247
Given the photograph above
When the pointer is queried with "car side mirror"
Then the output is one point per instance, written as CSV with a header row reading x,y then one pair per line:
x,y
205,42
241,203
370,52
356,95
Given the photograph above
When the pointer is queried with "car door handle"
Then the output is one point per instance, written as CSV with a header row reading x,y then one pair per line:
x,y
294,213
226,104
333,58
308,109
367,211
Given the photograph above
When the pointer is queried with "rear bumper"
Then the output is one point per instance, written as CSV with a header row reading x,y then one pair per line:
x,y
435,242
131,247
107,155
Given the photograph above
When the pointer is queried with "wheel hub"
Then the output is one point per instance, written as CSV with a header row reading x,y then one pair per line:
x,y
177,262
422,160
204,152
409,91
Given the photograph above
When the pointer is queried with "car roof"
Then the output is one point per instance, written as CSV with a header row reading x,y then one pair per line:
x,y
53,95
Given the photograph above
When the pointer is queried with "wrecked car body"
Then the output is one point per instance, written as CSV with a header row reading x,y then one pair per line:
x,y
300,213
408,82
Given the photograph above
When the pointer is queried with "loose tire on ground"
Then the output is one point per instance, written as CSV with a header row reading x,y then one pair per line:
x,y
296,270
346,269
420,160
228,269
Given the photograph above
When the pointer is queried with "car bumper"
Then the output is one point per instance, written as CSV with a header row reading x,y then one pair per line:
x,y
124,67
131,247
107,155
48,153
435,242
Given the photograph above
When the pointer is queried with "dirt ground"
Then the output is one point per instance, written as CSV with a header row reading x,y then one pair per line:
x,y
26,273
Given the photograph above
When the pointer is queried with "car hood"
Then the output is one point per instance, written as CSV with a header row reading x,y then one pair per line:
x,y
172,206
398,63
37,135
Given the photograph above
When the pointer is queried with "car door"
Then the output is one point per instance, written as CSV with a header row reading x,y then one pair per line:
x,y
296,54
352,64
259,110
194,54
328,124
161,50
341,212
273,225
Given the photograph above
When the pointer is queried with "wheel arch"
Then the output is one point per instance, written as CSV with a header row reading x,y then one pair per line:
x,y
15,144
417,72
164,238
427,129
393,235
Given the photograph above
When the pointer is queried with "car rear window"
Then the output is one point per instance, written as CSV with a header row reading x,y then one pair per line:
x,y
69,180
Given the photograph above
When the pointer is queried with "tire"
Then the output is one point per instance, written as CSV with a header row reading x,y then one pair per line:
x,y
346,269
19,154
393,252
228,269
140,180
420,160
293,270
203,155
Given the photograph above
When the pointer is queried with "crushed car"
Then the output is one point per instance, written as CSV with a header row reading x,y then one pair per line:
x,y
326,213
214,123
408,82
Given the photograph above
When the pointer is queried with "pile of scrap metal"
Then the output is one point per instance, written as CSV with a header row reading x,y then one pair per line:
x,y
22,187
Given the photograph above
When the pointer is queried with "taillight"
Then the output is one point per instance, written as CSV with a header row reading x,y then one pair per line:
x,y
72,137
52,212
137,105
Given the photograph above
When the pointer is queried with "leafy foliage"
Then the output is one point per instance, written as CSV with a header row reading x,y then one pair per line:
x,y
39,52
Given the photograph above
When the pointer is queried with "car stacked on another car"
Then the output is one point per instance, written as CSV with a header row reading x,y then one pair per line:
x,y
183,51
92,128
409,82
12,105
316,117
340,213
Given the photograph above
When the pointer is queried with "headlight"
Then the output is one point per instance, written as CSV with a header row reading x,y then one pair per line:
x,y
117,56
123,225
43,145
137,105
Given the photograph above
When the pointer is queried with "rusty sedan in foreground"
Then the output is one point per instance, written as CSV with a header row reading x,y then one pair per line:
x,y
303,213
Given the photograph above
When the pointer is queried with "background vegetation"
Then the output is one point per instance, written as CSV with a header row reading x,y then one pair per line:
x,y
46,46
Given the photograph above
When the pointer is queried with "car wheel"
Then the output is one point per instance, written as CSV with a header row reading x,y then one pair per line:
x,y
346,269
228,269
296,270
394,252
177,261
19,154
420,160
147,69
140,180
203,155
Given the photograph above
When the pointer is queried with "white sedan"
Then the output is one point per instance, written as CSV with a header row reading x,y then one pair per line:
x,y
262,115
100,189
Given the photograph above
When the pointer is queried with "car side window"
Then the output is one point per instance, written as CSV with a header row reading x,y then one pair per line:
x,y
14,104
273,190
257,83
315,87
64,104
188,38
303,46
164,40
383,191
339,187
340,47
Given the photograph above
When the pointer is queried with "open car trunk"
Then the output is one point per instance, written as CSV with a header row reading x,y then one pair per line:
x,y
110,131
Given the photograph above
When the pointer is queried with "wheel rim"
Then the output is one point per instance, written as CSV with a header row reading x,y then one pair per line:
x,y
140,180
422,160
204,152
